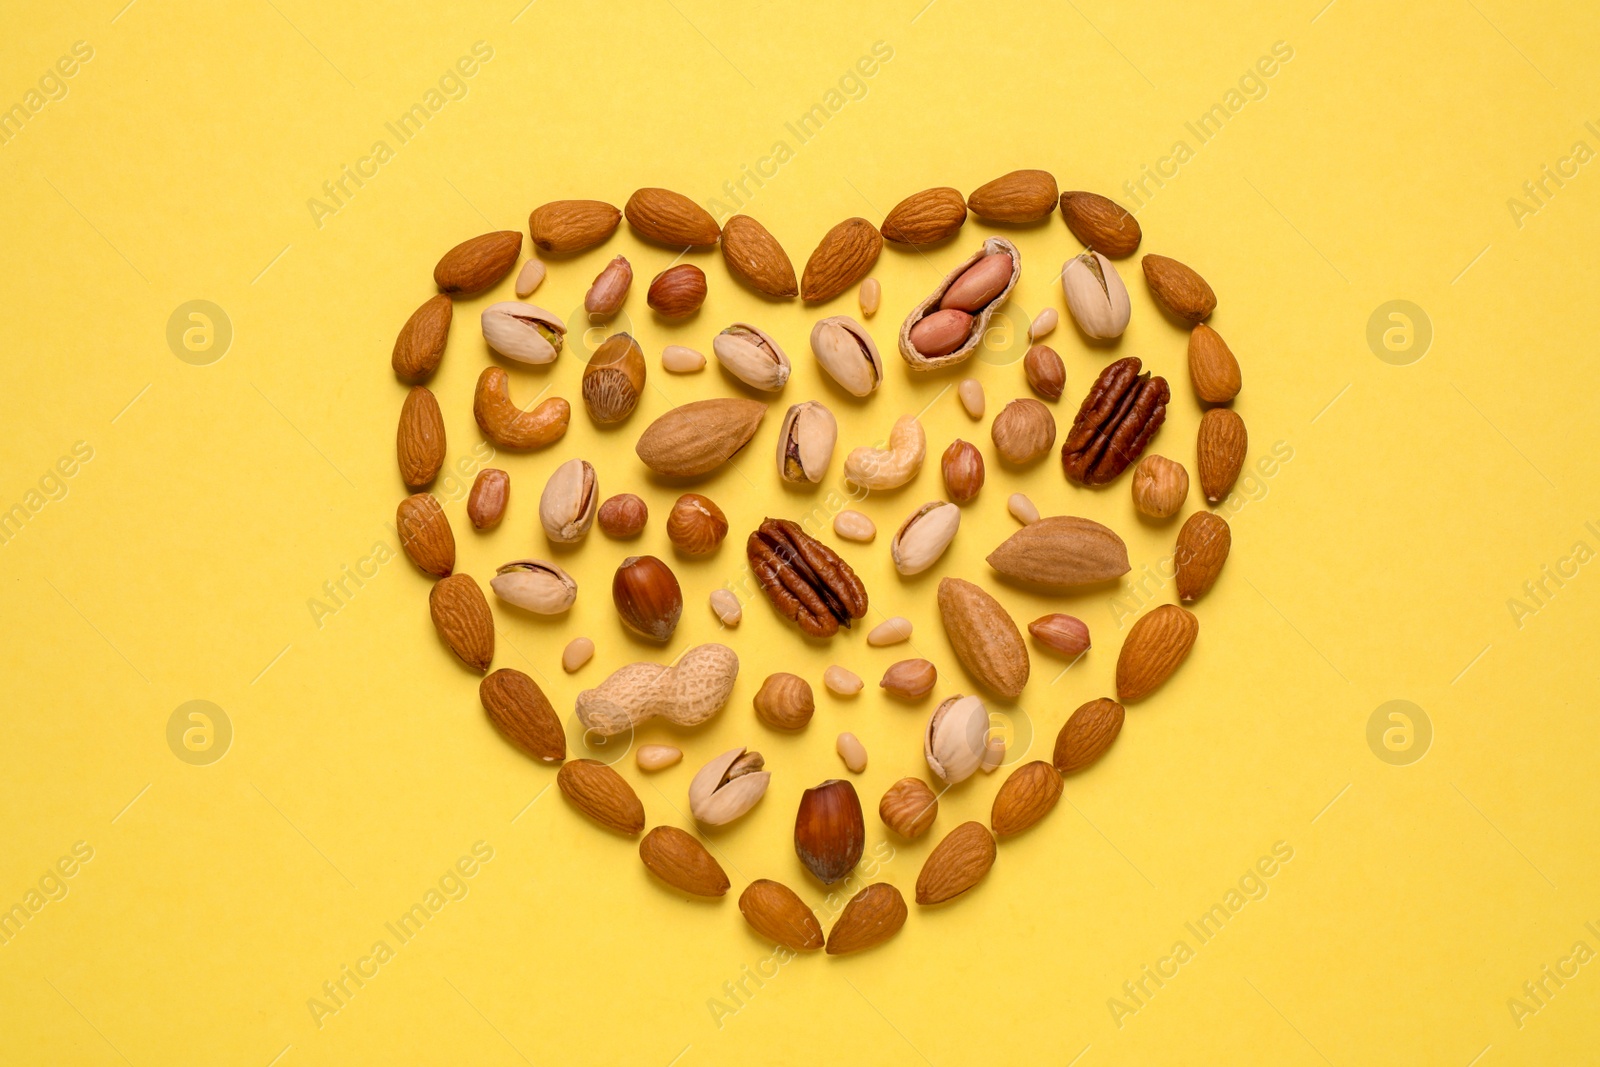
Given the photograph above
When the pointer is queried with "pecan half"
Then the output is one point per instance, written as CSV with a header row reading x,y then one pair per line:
x,y
804,579
1122,412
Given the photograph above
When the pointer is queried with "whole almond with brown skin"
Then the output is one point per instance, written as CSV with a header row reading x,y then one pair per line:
x,y
926,218
473,266
871,917
671,219
777,913
486,504
519,710
420,346
461,615
602,794
1158,643
1085,736
756,258
1062,552
985,639
1203,546
909,807
843,258
1179,289
564,226
698,437
785,702
677,291
1021,196
1045,372
419,439
425,535
1220,450
1212,368
1026,797
675,857
956,864
1101,223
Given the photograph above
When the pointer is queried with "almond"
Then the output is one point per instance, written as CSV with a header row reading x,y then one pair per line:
x,y
425,535
461,615
1100,223
926,218
563,226
843,258
698,437
756,258
1212,368
519,710
985,639
1085,736
1026,797
1179,289
602,794
1155,647
675,857
1220,450
1203,546
1021,196
419,440
473,266
871,917
677,291
1062,552
956,864
420,346
671,219
777,913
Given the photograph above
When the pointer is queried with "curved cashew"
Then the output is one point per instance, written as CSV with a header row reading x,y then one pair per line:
x,y
686,693
508,425
877,468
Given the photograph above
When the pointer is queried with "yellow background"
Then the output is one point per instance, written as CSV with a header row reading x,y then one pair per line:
x,y
1375,565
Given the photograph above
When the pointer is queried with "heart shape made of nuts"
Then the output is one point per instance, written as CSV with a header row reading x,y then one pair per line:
x,y
806,580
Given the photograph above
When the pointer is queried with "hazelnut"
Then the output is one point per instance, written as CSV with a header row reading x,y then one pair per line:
x,y
1160,486
1023,431
613,379
647,597
623,516
962,467
1047,376
829,832
909,807
696,525
784,702
677,291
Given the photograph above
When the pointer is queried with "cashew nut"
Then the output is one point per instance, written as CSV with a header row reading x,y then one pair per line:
x,y
685,693
877,468
508,425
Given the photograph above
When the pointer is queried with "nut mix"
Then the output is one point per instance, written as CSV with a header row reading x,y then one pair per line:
x,y
805,580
